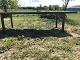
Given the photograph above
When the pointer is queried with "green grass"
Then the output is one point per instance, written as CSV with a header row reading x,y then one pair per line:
x,y
74,19
37,38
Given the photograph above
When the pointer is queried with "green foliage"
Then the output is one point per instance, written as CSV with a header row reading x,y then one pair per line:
x,y
48,16
63,7
3,49
13,4
6,44
36,52
51,50
71,19
45,8
55,58
56,7
17,55
20,37
50,7
8,4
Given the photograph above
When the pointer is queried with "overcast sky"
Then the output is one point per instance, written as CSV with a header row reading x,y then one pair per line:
x,y
46,2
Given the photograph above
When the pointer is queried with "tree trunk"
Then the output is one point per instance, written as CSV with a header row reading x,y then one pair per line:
x,y
5,9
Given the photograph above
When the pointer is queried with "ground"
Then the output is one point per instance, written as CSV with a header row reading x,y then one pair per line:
x,y
35,38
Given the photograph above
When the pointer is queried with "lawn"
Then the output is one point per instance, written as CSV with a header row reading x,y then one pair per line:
x,y
35,38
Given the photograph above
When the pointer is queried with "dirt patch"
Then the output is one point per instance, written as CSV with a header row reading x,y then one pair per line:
x,y
75,35
7,54
34,58
70,29
77,49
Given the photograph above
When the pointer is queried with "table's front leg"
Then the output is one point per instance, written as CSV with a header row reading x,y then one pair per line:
x,y
63,21
2,21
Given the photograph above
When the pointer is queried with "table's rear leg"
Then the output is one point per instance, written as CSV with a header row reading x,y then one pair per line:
x,y
56,20
11,21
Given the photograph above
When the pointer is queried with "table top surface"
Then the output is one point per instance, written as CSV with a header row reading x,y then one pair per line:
x,y
48,12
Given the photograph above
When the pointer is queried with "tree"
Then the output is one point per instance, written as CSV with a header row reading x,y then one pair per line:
x,y
45,8
40,7
56,7
66,3
50,7
8,4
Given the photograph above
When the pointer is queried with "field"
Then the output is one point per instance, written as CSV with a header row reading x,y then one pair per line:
x,y
35,38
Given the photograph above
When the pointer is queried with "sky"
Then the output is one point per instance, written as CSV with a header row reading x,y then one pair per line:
x,y
46,2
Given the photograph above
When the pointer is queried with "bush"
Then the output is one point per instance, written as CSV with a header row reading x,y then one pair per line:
x,y
48,16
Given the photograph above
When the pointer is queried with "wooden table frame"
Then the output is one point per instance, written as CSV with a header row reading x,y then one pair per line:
x,y
9,14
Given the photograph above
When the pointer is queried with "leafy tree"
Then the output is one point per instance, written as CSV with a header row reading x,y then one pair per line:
x,y
50,7
8,4
45,8
56,7
40,7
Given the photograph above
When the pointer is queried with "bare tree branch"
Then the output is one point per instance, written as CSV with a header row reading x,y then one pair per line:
x,y
66,3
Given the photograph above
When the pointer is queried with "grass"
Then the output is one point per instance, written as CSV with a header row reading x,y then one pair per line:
x,y
73,20
36,38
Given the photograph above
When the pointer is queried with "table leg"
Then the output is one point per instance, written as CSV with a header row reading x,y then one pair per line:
x,y
11,21
56,20
3,26
63,20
